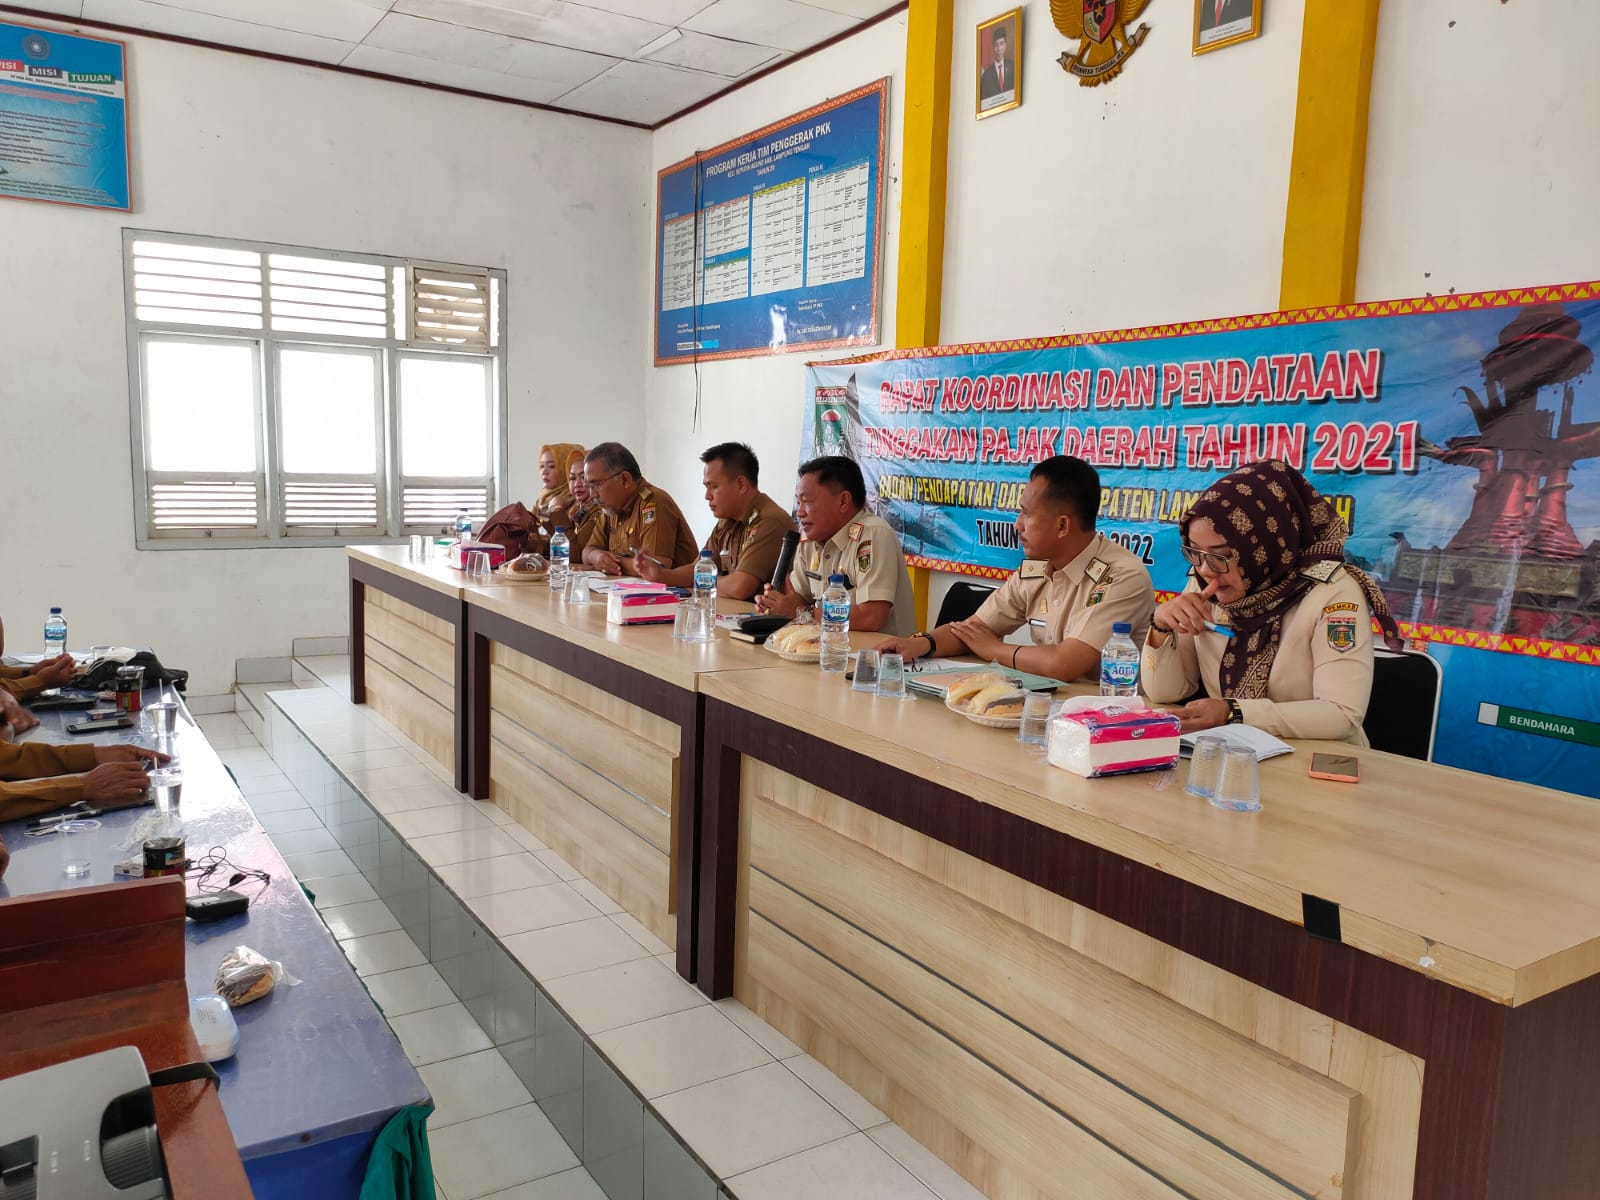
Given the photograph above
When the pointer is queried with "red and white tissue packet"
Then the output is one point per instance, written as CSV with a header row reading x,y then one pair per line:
x,y
637,607
1113,739
456,556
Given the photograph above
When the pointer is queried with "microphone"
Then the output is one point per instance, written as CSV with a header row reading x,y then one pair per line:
x,y
780,573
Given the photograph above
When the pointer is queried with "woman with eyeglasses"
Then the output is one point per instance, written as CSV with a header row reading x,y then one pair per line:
x,y
585,508
1274,625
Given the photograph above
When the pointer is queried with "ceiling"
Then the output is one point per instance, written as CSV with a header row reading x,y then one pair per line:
x,y
634,60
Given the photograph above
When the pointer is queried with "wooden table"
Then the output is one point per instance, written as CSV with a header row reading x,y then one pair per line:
x,y
408,646
1108,987
589,735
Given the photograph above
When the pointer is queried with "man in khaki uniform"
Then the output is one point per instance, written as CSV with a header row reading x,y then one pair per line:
x,y
1072,587
39,778
749,532
841,536
637,516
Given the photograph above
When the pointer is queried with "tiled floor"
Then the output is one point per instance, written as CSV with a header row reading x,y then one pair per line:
x,y
772,1122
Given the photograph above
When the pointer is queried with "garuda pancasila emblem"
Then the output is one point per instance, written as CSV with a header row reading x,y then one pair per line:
x,y
1102,24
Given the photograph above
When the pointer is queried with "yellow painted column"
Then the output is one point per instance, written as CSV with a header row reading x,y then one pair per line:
x,y
1327,172
925,153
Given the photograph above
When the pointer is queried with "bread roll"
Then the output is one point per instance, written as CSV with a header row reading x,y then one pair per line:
x,y
798,639
1000,699
966,687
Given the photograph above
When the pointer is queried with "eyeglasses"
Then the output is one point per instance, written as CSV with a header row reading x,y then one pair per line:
x,y
1218,562
594,483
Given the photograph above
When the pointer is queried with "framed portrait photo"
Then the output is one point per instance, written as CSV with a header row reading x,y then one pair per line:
x,y
999,64
1219,23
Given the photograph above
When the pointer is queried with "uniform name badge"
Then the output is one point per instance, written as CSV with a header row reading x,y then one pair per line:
x,y
1095,572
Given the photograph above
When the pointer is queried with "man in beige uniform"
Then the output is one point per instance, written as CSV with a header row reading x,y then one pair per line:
x,y
749,532
1073,586
842,536
636,516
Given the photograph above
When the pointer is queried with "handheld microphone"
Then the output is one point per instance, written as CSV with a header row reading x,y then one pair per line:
x,y
780,573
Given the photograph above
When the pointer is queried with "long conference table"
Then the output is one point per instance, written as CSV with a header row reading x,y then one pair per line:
x,y
1064,987
318,1074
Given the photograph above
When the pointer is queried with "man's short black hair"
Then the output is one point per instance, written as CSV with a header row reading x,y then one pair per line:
x,y
614,457
1072,484
838,474
736,458
1000,35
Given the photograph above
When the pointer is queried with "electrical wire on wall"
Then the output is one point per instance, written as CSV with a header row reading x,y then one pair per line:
x,y
697,282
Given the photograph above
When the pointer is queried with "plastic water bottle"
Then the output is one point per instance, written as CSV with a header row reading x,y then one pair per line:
x,y
1119,663
705,581
55,634
835,609
463,526
560,558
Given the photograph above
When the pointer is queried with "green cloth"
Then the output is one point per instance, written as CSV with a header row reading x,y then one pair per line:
x,y
400,1167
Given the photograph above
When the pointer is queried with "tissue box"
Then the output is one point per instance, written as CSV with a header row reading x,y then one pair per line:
x,y
641,608
1113,741
497,554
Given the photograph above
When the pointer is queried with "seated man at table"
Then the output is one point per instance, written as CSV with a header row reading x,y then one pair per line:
x,y
39,777
636,516
1073,585
841,536
749,532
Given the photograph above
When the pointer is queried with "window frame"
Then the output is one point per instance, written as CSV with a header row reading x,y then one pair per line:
x,y
271,531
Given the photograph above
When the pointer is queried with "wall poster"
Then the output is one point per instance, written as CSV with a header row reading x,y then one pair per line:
x,y
63,118
1459,435
770,243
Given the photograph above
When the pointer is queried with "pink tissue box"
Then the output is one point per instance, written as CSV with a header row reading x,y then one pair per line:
x,y
1113,741
497,554
641,608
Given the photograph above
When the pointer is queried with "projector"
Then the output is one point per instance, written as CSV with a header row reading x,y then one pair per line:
x,y
81,1130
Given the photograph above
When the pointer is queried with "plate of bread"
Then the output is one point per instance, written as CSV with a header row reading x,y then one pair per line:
x,y
987,698
796,642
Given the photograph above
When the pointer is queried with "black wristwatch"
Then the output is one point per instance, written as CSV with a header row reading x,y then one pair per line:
x,y
933,646
1235,713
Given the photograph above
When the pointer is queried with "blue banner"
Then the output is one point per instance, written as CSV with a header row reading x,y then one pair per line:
x,y
1457,435
63,119
769,244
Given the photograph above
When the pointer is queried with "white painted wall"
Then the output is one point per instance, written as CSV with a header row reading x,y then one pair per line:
x,y
1153,198
760,400
1481,163
234,146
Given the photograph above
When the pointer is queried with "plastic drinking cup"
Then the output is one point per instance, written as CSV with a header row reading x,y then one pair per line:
x,y
1205,765
699,624
680,619
477,563
1035,727
892,676
578,591
867,669
419,547
166,787
77,840
162,718
1239,786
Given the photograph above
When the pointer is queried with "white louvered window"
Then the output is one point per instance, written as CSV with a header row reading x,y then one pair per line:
x,y
292,396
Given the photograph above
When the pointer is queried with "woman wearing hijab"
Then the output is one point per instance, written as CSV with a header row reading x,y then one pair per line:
x,y
555,500
585,508
1268,556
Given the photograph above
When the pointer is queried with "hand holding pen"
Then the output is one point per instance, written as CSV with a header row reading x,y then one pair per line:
x,y
1189,612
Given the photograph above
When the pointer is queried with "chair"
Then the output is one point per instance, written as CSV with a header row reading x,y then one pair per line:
x,y
1404,710
962,601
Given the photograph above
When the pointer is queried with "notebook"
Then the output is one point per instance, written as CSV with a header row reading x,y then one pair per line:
x,y
1263,743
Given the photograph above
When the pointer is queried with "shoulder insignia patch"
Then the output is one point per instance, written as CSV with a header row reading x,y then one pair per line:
x,y
864,556
749,535
855,531
1031,568
1322,571
1342,633
1342,606
649,514
1095,597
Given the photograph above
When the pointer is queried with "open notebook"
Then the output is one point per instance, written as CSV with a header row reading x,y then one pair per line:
x,y
1263,743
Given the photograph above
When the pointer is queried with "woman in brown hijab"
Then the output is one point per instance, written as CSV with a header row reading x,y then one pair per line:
x,y
585,508
1268,556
